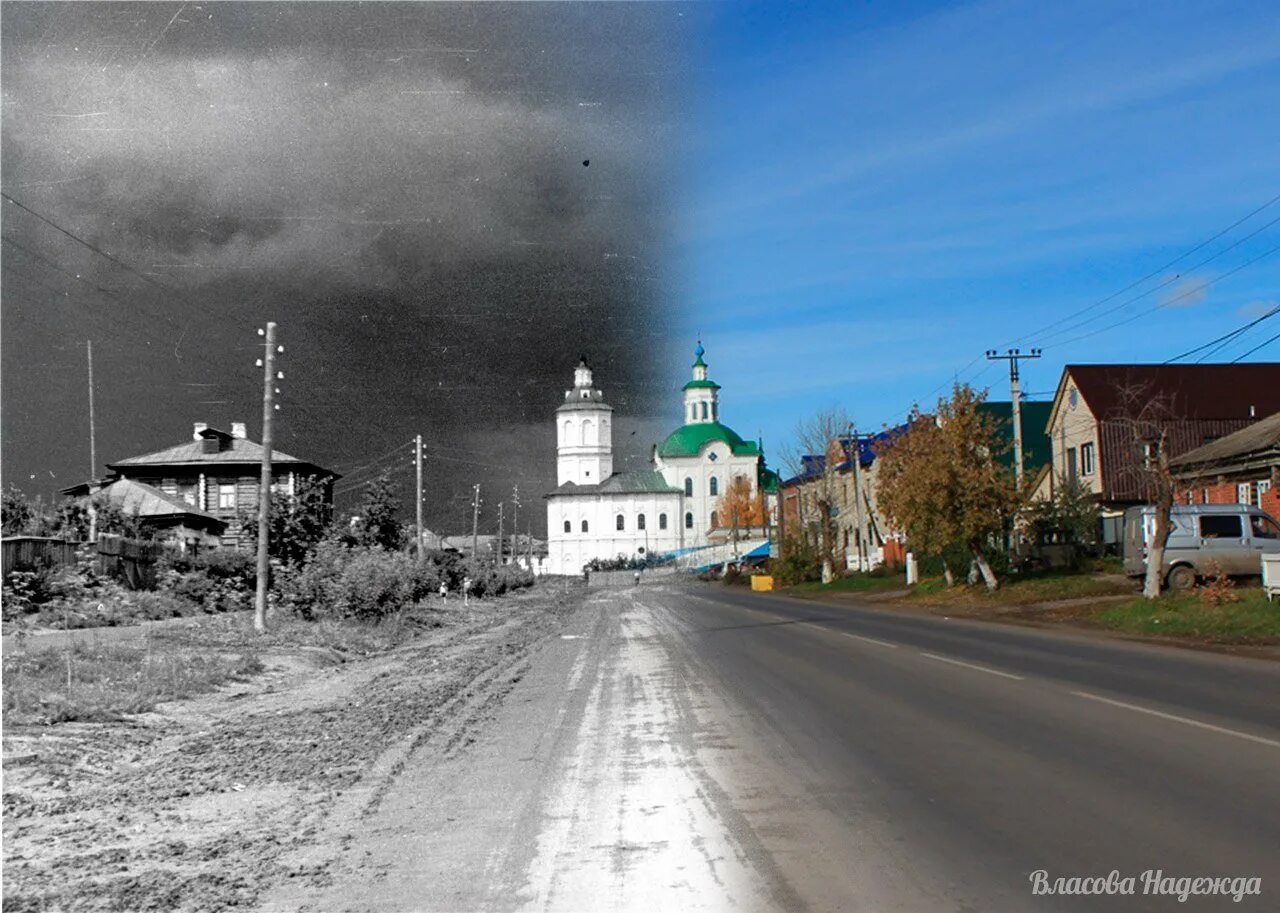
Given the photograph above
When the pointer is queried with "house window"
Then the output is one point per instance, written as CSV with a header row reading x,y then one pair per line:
x,y
622,523
1150,453
226,496
1260,489
1073,467
584,526
640,521
1243,493
715,520
1204,496
187,492
662,521
688,521
1086,459
715,486
568,526
688,488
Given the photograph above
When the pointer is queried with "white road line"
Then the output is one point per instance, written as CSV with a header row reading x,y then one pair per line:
x,y
870,640
1179,719
956,662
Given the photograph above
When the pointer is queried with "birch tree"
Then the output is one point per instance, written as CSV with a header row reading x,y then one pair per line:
x,y
815,437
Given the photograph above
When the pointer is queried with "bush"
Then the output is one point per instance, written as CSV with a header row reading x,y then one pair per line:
x,y
797,562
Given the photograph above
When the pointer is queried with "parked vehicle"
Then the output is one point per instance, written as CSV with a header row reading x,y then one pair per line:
x,y
1204,537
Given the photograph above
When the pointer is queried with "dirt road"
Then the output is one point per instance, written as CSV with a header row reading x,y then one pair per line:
x,y
204,804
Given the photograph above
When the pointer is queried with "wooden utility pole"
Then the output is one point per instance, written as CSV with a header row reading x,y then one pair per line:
x,y
497,555
93,432
475,524
515,524
1012,356
857,497
417,455
264,485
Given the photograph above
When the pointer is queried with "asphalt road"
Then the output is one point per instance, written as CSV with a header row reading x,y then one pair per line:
x,y
704,749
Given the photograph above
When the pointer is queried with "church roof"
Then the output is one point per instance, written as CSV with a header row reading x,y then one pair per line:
x,y
701,384
688,440
643,481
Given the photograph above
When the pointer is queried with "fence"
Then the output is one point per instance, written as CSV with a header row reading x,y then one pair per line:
x,y
27,552
132,561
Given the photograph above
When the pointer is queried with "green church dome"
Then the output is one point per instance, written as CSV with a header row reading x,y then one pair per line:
x,y
688,440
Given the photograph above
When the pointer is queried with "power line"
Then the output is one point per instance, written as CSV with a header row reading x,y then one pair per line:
x,y
1152,274
1170,302
1256,348
1227,336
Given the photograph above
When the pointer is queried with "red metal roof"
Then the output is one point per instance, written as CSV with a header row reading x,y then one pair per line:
x,y
1195,391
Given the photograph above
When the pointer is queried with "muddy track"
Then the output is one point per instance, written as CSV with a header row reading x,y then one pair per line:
x,y
206,803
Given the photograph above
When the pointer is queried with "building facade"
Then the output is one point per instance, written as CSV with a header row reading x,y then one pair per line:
x,y
595,513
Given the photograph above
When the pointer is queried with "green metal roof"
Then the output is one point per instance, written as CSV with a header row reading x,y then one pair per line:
x,y
701,385
688,440
643,481
1036,447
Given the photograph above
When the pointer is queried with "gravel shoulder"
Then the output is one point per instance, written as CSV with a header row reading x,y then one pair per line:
x,y
207,803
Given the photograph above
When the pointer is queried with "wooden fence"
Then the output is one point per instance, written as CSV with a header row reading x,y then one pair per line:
x,y
23,553
131,560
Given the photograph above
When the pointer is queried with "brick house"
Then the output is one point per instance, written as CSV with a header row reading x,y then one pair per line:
x,y
218,473
1090,430
1241,468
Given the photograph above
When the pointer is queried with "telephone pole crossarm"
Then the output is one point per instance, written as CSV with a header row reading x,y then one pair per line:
x,y
1013,356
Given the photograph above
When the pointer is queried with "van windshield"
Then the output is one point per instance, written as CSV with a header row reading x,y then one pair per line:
x,y
1265,528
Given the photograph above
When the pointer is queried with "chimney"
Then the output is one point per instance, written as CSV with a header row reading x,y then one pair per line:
x,y
238,430
199,426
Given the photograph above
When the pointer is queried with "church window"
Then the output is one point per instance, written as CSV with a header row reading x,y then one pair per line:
x,y
688,488
715,520
704,410
587,428
622,523
584,526
568,431
568,527
715,486
688,521
662,521
640,521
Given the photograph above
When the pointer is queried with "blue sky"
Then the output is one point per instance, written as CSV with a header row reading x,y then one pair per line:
x,y
878,193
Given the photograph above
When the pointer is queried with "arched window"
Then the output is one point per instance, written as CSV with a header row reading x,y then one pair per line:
x,y
587,428
715,521
622,523
568,432
704,410
688,488
584,526
568,527
662,521
640,521
688,521
715,486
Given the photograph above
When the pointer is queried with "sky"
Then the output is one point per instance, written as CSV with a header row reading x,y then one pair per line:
x,y
444,205
884,191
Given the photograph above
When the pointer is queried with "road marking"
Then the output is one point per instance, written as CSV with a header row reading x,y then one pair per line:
x,y
870,640
1180,719
956,662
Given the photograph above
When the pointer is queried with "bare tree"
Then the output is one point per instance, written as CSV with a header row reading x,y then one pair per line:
x,y
815,458
1147,421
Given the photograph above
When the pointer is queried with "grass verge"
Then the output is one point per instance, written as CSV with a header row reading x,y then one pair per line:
x,y
1251,620
853,583
89,682
1023,591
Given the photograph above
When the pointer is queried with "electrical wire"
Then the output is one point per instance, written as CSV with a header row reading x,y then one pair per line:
x,y
1227,337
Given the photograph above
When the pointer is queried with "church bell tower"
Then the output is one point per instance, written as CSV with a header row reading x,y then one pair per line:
x,y
584,432
701,394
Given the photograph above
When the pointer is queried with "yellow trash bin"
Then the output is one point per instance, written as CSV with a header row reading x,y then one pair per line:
x,y
761,583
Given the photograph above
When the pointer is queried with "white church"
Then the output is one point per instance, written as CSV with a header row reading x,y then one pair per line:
x,y
667,510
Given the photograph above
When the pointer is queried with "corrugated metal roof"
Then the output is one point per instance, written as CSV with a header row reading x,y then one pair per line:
x,y
1194,391
1259,439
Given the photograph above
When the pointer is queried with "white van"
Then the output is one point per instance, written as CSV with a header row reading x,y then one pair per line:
x,y
1203,537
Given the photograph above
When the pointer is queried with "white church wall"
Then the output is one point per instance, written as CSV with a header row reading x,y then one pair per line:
x,y
568,552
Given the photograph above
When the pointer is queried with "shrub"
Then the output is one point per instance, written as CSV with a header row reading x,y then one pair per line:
x,y
797,562
1218,588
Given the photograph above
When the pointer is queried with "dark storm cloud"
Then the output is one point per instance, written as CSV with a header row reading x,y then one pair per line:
x,y
401,186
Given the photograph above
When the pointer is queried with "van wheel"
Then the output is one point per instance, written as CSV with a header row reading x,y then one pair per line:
x,y
1181,577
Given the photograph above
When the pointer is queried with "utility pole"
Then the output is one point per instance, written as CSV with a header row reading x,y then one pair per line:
x,y
515,524
857,497
269,376
417,456
497,555
93,434
1012,356
475,524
